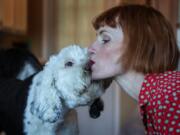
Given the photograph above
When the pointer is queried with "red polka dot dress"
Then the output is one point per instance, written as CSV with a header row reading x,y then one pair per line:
x,y
159,102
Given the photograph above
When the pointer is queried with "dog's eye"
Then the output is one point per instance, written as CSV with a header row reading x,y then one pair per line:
x,y
69,64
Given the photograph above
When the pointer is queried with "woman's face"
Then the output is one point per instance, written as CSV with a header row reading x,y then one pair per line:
x,y
105,53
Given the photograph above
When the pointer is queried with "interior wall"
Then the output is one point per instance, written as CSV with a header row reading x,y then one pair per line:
x,y
74,21
35,26
169,8
109,121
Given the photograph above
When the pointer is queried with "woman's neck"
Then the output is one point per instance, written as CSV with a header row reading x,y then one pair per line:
x,y
131,82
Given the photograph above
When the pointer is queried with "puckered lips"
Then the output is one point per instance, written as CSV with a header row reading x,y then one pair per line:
x,y
91,62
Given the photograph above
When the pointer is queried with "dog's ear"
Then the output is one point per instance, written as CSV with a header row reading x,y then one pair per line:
x,y
46,107
46,113
45,104
96,108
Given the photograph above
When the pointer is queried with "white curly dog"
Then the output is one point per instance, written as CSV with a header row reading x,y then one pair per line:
x,y
63,84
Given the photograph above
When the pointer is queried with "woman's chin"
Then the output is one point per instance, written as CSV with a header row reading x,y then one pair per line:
x,y
96,76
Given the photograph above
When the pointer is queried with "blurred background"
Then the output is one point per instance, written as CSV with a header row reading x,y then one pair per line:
x,y
46,26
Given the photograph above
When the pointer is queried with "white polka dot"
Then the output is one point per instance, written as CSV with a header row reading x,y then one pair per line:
x,y
176,117
177,130
160,107
164,107
174,93
165,82
145,101
154,109
166,121
169,87
178,111
153,90
159,114
165,90
147,92
169,91
143,88
173,122
161,81
166,96
168,115
167,101
159,120
171,109
159,102
171,129
175,98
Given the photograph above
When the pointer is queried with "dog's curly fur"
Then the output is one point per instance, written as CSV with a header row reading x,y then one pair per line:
x,y
63,84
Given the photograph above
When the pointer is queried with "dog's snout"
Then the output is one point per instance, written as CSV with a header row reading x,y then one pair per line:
x,y
87,67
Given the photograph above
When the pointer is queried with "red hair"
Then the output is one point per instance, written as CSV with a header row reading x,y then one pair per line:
x,y
150,44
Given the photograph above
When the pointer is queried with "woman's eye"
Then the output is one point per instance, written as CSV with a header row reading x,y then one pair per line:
x,y
105,41
69,64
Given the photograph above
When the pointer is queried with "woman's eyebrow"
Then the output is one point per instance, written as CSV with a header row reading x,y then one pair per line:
x,y
102,31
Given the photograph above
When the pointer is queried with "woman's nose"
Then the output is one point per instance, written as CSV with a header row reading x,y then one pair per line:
x,y
91,49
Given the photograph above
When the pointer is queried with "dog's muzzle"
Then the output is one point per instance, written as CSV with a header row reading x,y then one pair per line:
x,y
88,66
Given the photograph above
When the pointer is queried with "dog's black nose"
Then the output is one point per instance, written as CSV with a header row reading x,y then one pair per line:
x,y
88,66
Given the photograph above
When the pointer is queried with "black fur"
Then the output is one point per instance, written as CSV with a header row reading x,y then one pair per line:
x,y
13,60
13,92
96,108
13,100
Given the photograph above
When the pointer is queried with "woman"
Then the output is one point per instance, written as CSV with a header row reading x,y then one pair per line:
x,y
136,46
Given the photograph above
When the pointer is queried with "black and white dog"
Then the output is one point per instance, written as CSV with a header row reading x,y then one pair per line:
x,y
37,104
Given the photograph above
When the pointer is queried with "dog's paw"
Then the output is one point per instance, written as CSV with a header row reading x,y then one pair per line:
x,y
46,114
